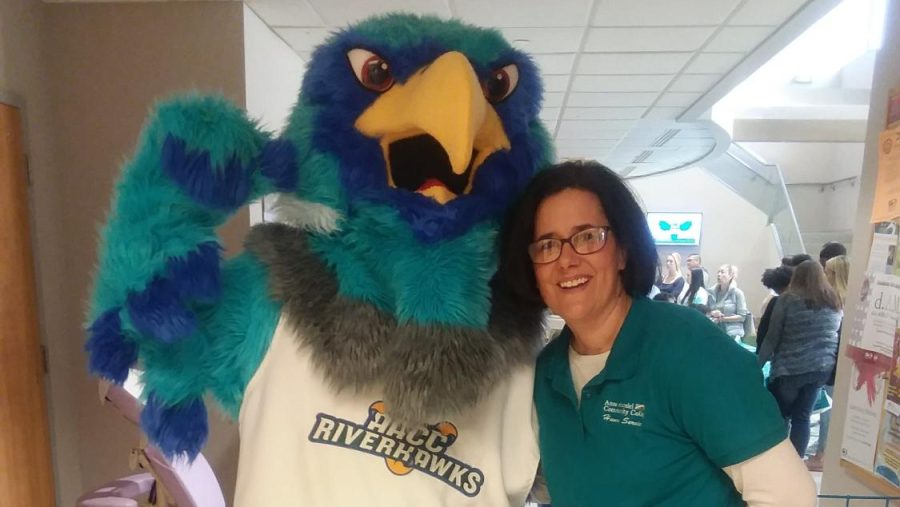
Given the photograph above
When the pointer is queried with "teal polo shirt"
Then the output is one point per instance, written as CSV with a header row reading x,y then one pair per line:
x,y
677,402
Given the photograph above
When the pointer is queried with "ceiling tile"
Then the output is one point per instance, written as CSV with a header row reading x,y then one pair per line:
x,y
280,13
611,99
549,113
632,83
592,144
592,125
738,38
344,12
632,63
662,12
663,39
694,82
555,82
765,12
713,63
603,113
545,39
303,39
574,130
663,113
550,125
554,64
678,99
528,13
553,99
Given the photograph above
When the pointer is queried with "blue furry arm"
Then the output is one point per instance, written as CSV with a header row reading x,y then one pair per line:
x,y
220,358
159,276
199,159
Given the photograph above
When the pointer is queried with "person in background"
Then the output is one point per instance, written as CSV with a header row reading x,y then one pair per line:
x,y
696,296
802,344
830,250
617,403
777,281
672,282
837,270
797,259
729,305
693,262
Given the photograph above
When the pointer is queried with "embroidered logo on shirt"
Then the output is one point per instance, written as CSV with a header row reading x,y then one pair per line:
x,y
629,414
403,449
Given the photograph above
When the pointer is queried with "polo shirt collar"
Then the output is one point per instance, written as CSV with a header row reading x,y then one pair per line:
x,y
624,358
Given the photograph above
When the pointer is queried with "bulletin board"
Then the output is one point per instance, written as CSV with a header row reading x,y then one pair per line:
x,y
870,447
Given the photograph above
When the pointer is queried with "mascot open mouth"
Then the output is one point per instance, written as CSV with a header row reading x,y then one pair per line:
x,y
420,164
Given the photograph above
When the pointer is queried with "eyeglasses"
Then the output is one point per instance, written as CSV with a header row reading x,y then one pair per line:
x,y
588,241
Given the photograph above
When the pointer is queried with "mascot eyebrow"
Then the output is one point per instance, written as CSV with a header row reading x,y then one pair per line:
x,y
410,139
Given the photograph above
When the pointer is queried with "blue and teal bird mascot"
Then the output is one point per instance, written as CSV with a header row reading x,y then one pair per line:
x,y
361,342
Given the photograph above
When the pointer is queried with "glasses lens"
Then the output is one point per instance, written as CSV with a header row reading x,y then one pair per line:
x,y
589,240
545,250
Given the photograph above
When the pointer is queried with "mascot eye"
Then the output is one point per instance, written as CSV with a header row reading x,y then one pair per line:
x,y
371,70
501,83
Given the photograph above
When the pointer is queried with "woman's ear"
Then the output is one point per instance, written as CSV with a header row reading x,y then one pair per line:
x,y
621,258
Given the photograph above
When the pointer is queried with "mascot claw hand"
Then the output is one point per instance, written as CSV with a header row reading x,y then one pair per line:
x,y
362,342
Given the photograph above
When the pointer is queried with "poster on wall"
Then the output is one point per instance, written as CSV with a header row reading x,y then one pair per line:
x,y
887,457
882,312
886,205
863,420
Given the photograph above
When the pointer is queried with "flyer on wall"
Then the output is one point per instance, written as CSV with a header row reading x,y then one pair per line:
x,y
882,255
883,309
863,420
887,458
886,204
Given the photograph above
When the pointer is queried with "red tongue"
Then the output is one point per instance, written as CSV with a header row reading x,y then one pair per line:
x,y
430,182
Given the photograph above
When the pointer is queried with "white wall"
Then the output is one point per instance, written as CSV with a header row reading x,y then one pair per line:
x,y
273,73
734,231
887,76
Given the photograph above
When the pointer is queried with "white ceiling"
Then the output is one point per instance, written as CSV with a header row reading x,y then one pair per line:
x,y
625,80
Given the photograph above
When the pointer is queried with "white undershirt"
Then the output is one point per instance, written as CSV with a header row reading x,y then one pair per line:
x,y
774,478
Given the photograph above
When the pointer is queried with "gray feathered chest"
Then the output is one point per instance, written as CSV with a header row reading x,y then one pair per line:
x,y
425,371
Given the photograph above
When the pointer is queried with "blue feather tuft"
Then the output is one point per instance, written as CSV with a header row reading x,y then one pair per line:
x,y
224,188
179,429
196,276
110,353
159,311
278,162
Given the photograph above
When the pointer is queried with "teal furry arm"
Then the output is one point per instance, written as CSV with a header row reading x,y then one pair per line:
x,y
159,280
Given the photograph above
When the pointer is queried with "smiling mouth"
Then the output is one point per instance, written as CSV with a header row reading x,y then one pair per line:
x,y
572,284
420,164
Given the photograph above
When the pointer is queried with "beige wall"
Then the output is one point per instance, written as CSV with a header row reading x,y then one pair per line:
x,y
734,231
887,76
87,74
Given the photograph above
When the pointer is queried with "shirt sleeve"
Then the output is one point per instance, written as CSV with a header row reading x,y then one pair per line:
x,y
718,399
775,478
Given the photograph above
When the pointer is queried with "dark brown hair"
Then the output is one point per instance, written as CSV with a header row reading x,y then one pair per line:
x,y
809,282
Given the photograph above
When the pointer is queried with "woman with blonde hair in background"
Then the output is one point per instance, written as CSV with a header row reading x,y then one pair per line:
x,y
672,282
837,270
730,307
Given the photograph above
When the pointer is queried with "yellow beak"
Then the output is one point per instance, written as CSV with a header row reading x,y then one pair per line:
x,y
443,100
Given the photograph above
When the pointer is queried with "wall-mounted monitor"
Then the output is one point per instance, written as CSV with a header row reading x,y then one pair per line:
x,y
675,229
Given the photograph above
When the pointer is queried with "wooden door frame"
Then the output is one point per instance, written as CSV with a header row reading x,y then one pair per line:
x,y
36,486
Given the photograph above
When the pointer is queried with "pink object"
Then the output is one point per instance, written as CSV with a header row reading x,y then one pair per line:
x,y
187,484
119,493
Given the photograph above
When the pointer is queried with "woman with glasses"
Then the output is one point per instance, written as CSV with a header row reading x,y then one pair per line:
x,y
639,403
